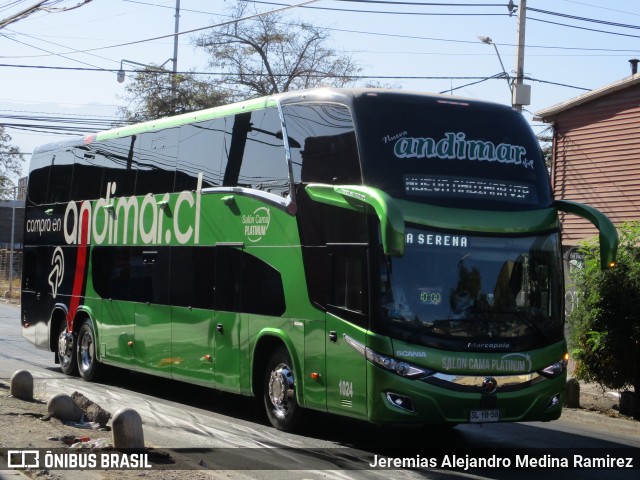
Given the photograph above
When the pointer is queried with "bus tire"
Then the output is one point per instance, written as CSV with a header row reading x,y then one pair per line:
x,y
66,350
86,352
279,392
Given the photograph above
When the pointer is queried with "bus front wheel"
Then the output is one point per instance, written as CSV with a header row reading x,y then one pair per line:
x,y
279,392
66,350
86,353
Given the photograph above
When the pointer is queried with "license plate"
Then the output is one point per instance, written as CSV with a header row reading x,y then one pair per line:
x,y
484,416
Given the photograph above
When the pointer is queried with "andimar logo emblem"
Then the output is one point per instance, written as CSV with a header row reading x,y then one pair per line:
x,y
256,224
57,271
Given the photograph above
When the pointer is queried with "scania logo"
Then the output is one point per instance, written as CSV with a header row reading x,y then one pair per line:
x,y
489,385
410,353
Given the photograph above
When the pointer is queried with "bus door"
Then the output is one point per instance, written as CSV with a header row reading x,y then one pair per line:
x,y
150,291
193,333
111,275
347,309
228,288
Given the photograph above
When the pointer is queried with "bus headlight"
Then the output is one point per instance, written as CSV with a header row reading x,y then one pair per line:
x,y
399,367
556,368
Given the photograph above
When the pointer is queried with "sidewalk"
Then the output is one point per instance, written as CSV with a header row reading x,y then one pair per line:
x,y
595,398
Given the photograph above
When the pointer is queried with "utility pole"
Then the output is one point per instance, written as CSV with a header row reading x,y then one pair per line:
x,y
175,38
174,87
521,92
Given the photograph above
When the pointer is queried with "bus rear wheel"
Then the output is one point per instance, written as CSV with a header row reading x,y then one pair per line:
x,y
279,392
66,350
86,354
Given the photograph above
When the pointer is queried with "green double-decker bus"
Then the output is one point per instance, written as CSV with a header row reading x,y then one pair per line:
x,y
389,256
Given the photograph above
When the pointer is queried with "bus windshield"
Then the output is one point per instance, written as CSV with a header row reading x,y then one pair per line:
x,y
451,153
452,287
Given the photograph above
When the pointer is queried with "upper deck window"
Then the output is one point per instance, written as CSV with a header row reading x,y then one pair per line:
x,y
322,142
458,154
256,156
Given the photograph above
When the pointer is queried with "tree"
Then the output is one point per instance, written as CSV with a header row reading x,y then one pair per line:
x,y
605,323
155,93
10,165
269,54
545,138
39,6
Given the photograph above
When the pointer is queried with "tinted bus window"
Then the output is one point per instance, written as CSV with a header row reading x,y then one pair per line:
x,y
87,175
263,165
39,178
244,283
200,151
450,153
348,294
262,288
111,273
193,276
150,275
60,176
227,281
117,156
322,142
157,154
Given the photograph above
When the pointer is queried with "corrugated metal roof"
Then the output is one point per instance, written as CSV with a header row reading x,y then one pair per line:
x,y
548,114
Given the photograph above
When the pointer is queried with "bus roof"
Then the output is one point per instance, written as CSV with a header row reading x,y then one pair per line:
x,y
339,95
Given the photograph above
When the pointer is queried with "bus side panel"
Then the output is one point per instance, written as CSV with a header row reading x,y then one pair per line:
x,y
227,356
315,389
116,332
346,369
193,338
152,344
50,273
35,302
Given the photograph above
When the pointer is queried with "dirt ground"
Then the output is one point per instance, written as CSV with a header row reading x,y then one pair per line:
x,y
26,425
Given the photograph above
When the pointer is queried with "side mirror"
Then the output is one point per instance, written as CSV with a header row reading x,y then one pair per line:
x,y
355,197
608,235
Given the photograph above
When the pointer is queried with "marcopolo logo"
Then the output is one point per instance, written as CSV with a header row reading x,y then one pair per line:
x,y
150,220
256,224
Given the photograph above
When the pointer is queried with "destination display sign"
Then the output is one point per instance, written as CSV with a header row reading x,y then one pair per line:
x,y
438,186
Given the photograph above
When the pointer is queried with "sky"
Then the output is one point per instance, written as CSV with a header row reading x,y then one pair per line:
x,y
570,47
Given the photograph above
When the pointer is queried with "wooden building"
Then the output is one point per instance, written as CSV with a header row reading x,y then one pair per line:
x,y
596,153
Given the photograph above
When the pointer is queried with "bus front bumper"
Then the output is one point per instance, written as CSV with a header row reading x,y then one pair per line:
x,y
397,400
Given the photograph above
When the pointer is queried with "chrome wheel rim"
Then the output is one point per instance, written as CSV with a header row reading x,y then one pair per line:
x,y
65,348
281,389
86,352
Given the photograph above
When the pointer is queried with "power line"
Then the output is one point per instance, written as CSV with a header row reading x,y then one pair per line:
x,y
169,72
429,4
350,10
583,19
354,77
358,32
492,77
582,28
602,8
48,51
199,29
53,43
170,7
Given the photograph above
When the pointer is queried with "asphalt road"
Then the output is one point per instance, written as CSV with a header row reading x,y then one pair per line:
x,y
178,415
